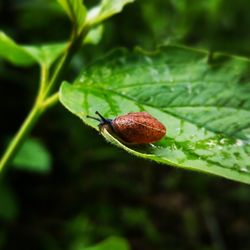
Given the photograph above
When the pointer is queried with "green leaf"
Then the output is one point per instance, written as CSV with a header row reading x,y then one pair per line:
x,y
203,100
33,156
75,10
47,53
105,9
23,55
112,243
94,36
13,52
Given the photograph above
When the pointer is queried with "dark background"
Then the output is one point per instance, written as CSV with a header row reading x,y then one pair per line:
x,y
95,190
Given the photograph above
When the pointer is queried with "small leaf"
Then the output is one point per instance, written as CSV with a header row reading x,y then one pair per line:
x,y
203,101
33,156
75,10
47,53
13,52
105,9
112,243
23,55
94,36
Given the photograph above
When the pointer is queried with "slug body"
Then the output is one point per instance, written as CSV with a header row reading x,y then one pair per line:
x,y
134,128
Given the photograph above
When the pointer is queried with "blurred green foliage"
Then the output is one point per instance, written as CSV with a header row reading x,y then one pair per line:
x,y
94,190
33,156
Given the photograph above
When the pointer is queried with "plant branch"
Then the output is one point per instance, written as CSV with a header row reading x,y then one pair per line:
x,y
17,141
74,45
50,101
44,98
43,81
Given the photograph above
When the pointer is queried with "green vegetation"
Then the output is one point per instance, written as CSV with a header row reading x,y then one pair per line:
x,y
62,186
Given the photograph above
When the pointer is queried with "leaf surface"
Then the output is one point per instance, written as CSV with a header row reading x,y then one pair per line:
x,y
33,156
75,10
94,36
14,53
203,100
105,9
116,243
26,55
47,53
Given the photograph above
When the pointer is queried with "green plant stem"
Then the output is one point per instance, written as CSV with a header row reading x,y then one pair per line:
x,y
50,101
19,138
74,45
25,129
28,123
45,98
31,119
58,72
43,82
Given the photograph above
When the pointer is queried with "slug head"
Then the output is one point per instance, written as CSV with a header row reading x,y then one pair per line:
x,y
103,122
